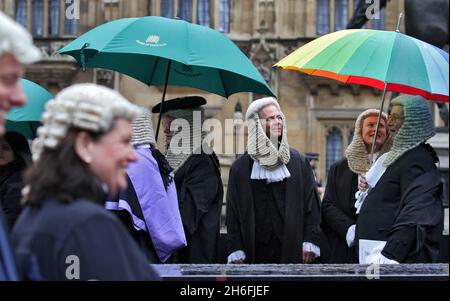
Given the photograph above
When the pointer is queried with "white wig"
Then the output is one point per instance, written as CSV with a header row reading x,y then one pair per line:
x,y
83,106
14,39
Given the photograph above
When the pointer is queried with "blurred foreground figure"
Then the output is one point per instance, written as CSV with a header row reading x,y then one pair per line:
x,y
81,156
16,49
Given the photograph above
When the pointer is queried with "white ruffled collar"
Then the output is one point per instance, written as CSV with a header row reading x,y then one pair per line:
x,y
275,175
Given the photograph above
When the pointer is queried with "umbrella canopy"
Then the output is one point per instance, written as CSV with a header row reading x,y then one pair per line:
x,y
380,59
27,119
142,48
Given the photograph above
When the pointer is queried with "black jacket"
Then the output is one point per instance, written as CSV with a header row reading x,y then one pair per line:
x,y
11,184
405,208
76,241
338,214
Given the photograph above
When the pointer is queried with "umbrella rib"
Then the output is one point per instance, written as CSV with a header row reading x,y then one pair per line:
x,y
153,71
223,83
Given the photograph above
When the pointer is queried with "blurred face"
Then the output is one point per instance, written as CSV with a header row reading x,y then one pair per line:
x,y
272,121
6,153
395,120
166,123
313,163
111,154
368,132
11,93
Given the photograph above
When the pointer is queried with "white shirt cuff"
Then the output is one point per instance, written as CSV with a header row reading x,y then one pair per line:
x,y
236,255
310,247
350,237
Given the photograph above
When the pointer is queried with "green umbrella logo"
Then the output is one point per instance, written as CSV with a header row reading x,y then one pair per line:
x,y
152,41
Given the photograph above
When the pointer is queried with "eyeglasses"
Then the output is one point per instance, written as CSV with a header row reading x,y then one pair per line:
x,y
396,117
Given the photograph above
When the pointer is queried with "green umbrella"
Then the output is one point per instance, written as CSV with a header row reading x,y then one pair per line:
x,y
27,119
162,51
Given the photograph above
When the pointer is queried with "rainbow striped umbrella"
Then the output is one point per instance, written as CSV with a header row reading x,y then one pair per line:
x,y
387,60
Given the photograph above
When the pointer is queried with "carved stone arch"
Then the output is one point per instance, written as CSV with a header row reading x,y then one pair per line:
x,y
262,54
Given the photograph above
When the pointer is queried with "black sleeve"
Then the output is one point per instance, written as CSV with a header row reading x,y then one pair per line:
x,y
200,191
102,249
233,223
402,239
10,200
332,216
311,206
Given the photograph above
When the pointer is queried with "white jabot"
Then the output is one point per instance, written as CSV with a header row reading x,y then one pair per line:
x,y
372,177
275,175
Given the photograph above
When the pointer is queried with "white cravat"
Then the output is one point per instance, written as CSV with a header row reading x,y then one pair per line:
x,y
372,177
275,175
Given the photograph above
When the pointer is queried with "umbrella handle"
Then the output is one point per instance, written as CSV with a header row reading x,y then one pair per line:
x,y
83,57
374,142
163,98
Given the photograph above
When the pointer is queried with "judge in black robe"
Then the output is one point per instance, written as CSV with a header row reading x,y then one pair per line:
x,y
405,209
338,214
200,196
197,179
298,211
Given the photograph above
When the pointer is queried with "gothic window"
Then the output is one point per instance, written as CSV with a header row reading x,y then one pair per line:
x,y
21,12
48,17
334,146
70,22
323,17
167,8
53,19
224,15
351,133
380,23
185,10
37,27
203,17
341,14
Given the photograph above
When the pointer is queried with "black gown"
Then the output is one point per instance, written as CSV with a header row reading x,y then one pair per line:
x,y
301,218
338,214
200,197
76,241
405,208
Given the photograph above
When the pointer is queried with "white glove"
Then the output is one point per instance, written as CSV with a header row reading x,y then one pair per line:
x,y
350,237
310,247
235,256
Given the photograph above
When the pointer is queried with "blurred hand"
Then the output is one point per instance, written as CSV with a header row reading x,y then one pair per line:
x,y
362,185
308,257
239,261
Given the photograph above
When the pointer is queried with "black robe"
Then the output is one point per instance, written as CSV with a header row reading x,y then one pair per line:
x,y
405,208
200,197
57,240
8,270
338,214
301,218
11,184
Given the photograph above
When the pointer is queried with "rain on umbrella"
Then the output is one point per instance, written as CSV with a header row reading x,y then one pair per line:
x,y
162,51
27,119
386,60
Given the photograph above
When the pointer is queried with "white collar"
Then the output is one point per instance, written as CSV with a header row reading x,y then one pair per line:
x,y
277,174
